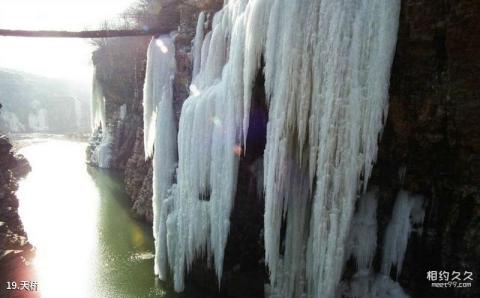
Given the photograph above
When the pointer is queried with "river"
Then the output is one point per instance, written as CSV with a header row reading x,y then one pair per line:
x,y
78,218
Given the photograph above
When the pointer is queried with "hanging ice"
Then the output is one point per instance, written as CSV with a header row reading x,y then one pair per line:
x,y
407,212
363,234
197,44
366,283
98,113
102,151
327,65
160,136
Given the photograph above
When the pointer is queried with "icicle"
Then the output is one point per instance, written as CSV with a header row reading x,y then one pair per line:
x,y
123,111
98,113
160,138
197,44
363,234
102,151
407,212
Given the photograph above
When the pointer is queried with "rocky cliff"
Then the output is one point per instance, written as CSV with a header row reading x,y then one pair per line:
x,y
15,250
433,134
430,145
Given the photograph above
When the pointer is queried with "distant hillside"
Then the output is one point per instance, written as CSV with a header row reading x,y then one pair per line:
x,y
33,103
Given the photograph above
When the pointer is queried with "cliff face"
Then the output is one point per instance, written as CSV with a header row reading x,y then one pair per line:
x,y
431,134
15,251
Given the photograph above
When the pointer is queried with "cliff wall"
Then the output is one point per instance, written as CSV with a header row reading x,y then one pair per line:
x,y
430,145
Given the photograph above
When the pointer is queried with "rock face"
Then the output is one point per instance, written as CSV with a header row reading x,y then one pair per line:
x,y
432,135
15,251
432,132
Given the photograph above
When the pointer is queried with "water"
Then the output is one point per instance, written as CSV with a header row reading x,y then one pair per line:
x,y
88,243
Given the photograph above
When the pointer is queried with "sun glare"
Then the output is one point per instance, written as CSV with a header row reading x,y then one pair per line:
x,y
55,58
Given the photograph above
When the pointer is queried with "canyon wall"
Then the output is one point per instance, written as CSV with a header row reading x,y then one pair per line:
x,y
430,145
433,135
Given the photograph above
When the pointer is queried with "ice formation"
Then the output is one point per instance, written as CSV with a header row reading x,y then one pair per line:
x,y
102,152
197,44
363,233
328,102
160,137
407,212
123,111
326,67
98,113
38,120
10,122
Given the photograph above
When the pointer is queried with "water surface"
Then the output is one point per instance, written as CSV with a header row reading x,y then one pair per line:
x,y
88,243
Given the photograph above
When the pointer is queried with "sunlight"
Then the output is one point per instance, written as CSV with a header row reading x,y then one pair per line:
x,y
54,58
64,251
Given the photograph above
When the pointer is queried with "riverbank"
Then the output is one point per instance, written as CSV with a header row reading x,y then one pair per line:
x,y
16,252
20,140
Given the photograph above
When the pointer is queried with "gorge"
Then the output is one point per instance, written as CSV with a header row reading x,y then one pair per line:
x,y
310,148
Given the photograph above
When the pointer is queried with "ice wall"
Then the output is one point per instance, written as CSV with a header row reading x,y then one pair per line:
x,y
326,66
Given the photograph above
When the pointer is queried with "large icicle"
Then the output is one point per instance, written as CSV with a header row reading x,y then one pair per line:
x,y
102,151
327,66
197,44
160,137
98,113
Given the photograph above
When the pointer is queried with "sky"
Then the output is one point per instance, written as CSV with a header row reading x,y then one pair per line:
x,y
53,57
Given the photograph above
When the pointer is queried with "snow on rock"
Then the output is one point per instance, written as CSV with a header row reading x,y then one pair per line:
x,y
326,67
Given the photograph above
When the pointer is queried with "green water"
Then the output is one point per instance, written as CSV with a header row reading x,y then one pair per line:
x,y
88,242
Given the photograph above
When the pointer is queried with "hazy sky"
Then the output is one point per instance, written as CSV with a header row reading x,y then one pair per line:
x,y
53,57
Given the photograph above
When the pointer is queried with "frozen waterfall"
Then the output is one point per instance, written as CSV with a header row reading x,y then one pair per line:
x,y
102,152
160,137
327,67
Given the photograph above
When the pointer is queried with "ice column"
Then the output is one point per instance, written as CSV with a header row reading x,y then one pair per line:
x,y
160,136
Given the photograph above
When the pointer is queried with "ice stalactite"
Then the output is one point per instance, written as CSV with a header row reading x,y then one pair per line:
x,y
102,151
160,137
363,233
197,44
326,67
407,213
98,113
